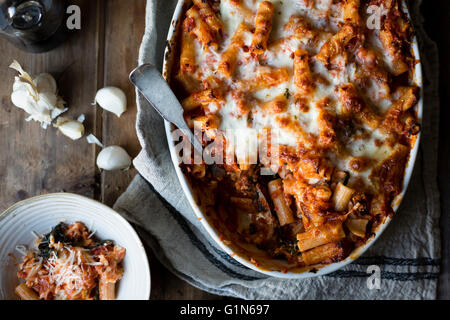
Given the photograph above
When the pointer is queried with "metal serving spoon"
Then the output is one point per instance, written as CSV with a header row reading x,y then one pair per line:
x,y
155,89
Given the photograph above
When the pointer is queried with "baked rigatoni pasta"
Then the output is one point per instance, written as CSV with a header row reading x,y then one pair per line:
x,y
69,263
263,26
329,98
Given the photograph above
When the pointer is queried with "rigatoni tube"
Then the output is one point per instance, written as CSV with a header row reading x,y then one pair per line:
x,y
341,196
315,237
25,293
284,213
357,226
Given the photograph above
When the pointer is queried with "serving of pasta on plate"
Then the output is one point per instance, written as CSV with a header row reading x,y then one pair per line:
x,y
312,107
69,263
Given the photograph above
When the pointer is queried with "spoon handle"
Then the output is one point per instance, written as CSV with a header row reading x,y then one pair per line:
x,y
155,89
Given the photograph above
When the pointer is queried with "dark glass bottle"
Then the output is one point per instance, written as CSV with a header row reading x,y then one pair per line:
x,y
33,25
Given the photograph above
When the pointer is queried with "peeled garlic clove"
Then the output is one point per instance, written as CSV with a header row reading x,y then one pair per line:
x,y
113,158
112,99
70,128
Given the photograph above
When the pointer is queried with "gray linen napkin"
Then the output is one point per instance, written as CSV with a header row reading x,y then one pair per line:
x,y
407,253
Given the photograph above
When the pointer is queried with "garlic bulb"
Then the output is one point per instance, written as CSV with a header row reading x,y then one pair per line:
x,y
38,97
113,158
73,129
112,99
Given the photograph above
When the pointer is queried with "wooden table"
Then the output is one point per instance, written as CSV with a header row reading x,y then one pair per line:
x,y
35,161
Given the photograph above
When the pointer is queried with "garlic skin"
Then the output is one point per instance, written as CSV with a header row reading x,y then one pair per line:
x,y
81,118
112,99
38,97
91,139
113,158
71,128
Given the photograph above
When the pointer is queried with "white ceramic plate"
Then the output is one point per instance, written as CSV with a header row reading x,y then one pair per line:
x,y
235,250
40,214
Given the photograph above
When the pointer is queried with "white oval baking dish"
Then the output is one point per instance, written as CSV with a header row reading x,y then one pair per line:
x,y
236,250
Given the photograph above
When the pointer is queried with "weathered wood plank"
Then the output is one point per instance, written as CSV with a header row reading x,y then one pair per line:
x,y
125,23
35,161
124,28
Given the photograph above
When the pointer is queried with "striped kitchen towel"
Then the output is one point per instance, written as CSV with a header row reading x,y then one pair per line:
x,y
406,255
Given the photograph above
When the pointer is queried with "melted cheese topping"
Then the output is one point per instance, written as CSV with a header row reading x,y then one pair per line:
x,y
326,19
